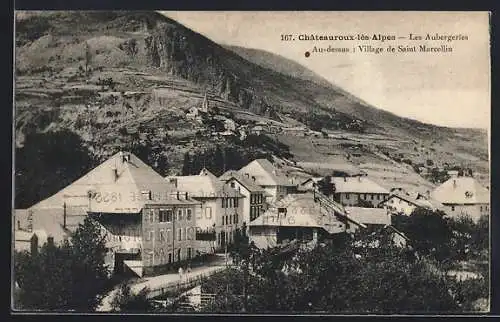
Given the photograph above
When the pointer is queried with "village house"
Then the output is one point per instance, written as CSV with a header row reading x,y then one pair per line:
x,y
254,201
295,131
463,196
350,190
147,224
309,184
402,203
371,217
296,217
264,174
230,125
257,130
30,241
192,113
221,210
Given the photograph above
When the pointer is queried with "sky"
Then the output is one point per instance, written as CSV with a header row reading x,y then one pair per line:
x,y
450,89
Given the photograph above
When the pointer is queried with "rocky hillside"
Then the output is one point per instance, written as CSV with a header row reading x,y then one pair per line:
x,y
125,79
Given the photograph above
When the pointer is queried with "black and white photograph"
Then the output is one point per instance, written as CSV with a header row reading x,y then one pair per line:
x,y
251,162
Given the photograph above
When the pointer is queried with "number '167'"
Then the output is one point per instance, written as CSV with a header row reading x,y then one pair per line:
x,y
286,37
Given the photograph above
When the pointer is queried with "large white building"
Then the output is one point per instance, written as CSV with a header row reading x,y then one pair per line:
x,y
350,190
400,203
221,211
275,182
463,196
254,202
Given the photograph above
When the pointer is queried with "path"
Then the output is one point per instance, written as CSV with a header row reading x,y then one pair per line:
x,y
164,281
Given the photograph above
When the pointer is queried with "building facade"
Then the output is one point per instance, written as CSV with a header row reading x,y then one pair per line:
x,y
352,191
274,182
221,209
121,195
463,196
254,202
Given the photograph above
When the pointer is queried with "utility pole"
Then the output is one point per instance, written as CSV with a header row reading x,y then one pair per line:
x,y
225,247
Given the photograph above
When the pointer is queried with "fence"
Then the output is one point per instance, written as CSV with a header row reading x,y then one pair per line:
x,y
181,286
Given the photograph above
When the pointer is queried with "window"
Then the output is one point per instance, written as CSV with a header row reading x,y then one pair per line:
x,y
165,215
169,258
208,213
189,214
189,251
151,215
232,184
236,218
223,220
347,196
481,208
179,234
190,233
162,235
230,202
230,220
169,236
179,214
378,197
452,208
151,235
223,200
162,255
236,202
371,197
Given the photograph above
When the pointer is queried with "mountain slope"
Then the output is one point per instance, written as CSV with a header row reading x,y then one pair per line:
x,y
126,78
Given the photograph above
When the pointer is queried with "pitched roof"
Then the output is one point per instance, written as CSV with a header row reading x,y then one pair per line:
x,y
203,185
369,216
242,179
117,185
359,184
428,203
266,174
461,190
302,211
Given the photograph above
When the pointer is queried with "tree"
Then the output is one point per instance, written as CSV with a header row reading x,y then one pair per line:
x,y
352,276
89,251
70,276
429,232
186,165
52,170
126,301
365,203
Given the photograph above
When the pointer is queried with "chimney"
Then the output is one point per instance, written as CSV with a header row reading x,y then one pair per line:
x,y
115,173
64,215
